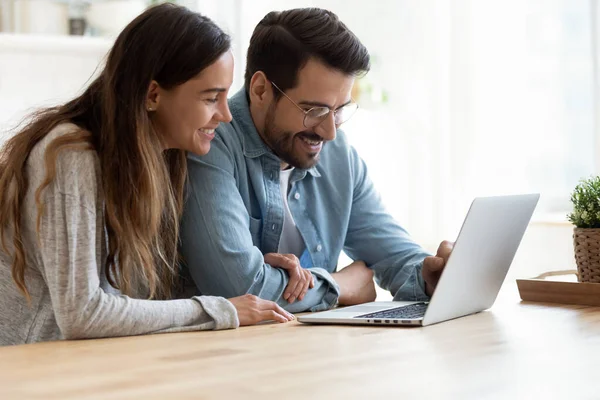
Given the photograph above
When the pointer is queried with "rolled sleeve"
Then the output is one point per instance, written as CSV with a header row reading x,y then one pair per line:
x,y
221,310
413,287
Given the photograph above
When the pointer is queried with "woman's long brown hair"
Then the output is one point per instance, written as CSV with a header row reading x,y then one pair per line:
x,y
142,184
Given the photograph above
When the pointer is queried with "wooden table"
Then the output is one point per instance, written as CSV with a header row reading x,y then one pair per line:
x,y
515,350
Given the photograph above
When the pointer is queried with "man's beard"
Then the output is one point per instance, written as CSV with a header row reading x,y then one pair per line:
x,y
282,143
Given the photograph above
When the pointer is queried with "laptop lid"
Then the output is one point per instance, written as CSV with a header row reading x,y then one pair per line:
x,y
483,252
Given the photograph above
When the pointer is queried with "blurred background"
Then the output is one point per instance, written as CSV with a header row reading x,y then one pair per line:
x,y
465,97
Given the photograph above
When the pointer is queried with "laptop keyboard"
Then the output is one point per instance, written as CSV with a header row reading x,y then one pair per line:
x,y
411,311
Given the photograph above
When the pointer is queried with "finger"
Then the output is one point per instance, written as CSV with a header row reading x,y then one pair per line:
x,y
304,281
278,309
433,264
279,260
272,311
303,286
299,285
293,260
292,257
270,315
290,289
307,284
432,270
445,249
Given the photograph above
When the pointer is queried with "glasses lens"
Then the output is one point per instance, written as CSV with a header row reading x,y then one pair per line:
x,y
315,116
318,114
343,114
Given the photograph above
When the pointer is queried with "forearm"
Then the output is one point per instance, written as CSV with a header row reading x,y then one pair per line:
x,y
82,308
374,237
107,315
402,278
349,290
323,296
270,284
235,273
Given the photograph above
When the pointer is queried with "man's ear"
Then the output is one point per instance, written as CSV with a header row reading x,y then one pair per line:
x,y
261,90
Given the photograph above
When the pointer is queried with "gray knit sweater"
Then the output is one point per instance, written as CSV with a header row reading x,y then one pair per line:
x,y
70,296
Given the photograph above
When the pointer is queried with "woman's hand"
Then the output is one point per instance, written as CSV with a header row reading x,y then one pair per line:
x,y
252,310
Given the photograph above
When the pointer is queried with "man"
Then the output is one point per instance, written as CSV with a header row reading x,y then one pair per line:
x,y
281,192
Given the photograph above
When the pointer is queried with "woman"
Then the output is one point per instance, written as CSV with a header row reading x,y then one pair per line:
x,y
92,192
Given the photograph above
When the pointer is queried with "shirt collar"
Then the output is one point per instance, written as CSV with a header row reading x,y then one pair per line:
x,y
252,143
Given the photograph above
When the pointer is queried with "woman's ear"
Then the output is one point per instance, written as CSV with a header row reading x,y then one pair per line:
x,y
153,96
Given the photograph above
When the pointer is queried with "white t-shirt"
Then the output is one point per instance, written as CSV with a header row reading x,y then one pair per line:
x,y
291,241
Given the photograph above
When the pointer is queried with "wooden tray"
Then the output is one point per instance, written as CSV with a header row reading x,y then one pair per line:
x,y
553,291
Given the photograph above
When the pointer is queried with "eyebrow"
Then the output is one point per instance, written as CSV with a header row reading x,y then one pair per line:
x,y
216,89
319,104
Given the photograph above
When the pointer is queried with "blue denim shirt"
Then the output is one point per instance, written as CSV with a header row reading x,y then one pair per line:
x,y
234,214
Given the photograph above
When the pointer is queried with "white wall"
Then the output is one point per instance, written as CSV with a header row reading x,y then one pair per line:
x,y
45,17
38,71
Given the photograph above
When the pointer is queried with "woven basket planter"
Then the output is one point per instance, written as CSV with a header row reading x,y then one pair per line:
x,y
587,254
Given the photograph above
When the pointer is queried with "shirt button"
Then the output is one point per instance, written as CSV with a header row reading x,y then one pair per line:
x,y
297,196
319,247
273,227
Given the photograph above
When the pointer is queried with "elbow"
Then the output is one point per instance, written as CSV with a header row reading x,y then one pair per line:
x,y
78,321
77,326
69,334
75,331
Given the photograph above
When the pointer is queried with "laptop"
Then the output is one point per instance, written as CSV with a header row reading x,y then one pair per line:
x,y
471,280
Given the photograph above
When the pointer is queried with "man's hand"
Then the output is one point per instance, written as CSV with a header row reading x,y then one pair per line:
x,y
434,265
356,284
300,279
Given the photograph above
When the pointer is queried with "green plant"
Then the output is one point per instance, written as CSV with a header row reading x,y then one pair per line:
x,y
586,203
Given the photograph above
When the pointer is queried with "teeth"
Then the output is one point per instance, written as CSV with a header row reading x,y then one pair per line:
x,y
207,131
312,142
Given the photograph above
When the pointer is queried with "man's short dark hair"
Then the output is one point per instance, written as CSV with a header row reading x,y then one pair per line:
x,y
283,42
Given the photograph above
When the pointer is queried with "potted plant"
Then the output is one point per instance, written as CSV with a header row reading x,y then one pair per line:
x,y
586,234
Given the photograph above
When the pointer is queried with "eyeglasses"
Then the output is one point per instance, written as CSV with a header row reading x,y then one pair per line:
x,y
315,115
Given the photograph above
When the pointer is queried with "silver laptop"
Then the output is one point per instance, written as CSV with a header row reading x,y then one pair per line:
x,y
471,280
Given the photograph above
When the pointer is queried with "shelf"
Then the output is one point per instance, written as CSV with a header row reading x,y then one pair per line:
x,y
27,43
